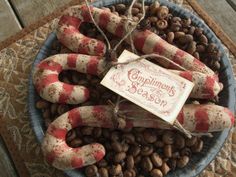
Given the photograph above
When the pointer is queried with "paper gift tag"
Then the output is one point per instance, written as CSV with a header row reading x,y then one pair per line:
x,y
149,86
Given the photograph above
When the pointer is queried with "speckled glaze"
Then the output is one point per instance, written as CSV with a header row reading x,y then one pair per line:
x,y
212,146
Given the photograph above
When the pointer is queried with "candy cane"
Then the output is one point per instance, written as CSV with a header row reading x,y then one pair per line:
x,y
146,41
49,87
195,118
60,155
205,86
205,118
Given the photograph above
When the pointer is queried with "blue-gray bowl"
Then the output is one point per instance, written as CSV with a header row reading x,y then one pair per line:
x,y
227,97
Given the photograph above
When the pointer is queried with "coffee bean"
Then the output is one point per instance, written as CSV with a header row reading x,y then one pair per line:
x,y
186,22
156,159
186,151
115,169
154,7
119,157
175,19
128,173
146,164
186,39
198,31
42,104
179,34
165,168
197,147
216,65
75,143
137,159
115,136
103,172
71,135
172,163
128,138
91,170
170,37
86,130
62,108
88,139
161,24
203,39
200,48
162,12
135,150
175,26
191,141
137,5
168,137
168,151
179,141
149,136
102,163
46,114
183,161
125,147
97,132
196,55
112,8
120,8
53,108
117,147
192,47
135,11
191,30
140,15
146,150
129,162
156,173
139,138
153,19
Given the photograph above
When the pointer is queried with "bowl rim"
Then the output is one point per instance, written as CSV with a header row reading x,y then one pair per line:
x,y
37,122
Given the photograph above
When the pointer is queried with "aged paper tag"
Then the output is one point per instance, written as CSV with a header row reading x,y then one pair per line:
x,y
149,86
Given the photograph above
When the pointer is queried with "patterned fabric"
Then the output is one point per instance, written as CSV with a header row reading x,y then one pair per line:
x,y
15,66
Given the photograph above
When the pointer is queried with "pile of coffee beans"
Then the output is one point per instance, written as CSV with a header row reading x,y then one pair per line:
x,y
138,151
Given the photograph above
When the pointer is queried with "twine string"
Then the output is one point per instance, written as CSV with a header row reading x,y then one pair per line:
x,y
98,28
149,57
130,27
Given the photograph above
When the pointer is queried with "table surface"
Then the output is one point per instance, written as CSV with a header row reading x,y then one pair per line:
x,y
17,14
